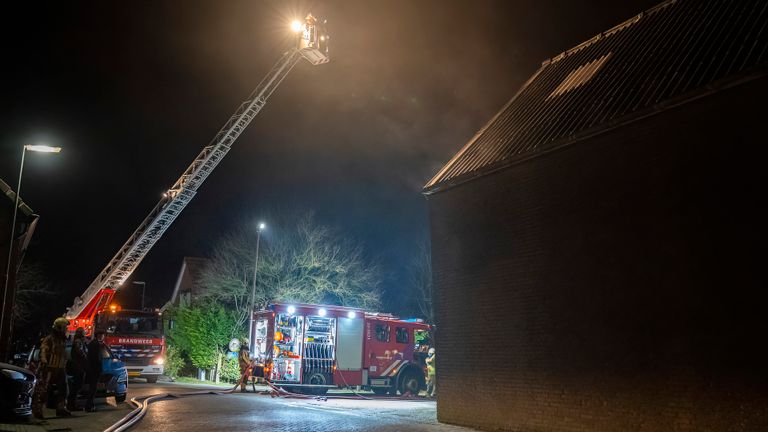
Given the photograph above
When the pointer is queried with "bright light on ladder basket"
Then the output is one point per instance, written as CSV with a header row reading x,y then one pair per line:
x,y
313,41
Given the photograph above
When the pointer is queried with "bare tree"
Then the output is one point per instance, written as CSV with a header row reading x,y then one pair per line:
x,y
228,275
421,279
300,260
33,292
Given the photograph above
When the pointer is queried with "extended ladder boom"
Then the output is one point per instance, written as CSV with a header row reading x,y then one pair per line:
x,y
100,291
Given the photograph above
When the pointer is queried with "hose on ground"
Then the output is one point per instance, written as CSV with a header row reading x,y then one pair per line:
x,y
141,404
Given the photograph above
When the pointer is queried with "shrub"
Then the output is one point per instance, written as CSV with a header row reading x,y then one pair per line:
x,y
230,370
174,361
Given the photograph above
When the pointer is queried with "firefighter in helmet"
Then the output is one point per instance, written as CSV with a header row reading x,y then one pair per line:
x,y
244,360
52,370
431,376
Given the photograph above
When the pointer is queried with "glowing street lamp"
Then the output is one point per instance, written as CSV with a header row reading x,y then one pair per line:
x,y
261,227
32,148
296,26
42,148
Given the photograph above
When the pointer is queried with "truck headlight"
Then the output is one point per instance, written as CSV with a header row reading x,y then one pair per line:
x,y
159,361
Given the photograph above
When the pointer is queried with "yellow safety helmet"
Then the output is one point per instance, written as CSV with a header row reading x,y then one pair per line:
x,y
60,324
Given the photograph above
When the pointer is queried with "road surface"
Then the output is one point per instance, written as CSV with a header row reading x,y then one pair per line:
x,y
254,412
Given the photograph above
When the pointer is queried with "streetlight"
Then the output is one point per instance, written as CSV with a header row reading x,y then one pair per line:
x,y
143,288
33,148
262,227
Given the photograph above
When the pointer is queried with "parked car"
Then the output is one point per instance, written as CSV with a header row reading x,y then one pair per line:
x,y
16,387
112,382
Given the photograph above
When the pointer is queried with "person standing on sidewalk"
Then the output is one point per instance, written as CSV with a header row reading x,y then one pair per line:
x,y
94,368
52,370
79,358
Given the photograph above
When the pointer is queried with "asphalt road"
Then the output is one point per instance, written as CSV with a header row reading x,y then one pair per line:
x,y
108,411
253,412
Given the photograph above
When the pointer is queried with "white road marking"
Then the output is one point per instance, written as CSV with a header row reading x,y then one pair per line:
x,y
324,409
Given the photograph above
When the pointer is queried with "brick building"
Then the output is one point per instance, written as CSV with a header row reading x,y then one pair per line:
x,y
598,248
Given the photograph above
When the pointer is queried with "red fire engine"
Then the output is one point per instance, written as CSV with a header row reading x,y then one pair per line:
x,y
313,348
137,338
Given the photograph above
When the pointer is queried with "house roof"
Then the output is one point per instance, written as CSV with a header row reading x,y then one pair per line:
x,y
11,197
189,278
673,53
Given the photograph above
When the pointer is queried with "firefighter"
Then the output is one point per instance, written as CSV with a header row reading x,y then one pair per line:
x,y
79,358
244,360
52,370
431,377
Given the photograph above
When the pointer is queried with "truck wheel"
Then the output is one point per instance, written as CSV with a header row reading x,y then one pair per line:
x,y
316,379
410,383
120,398
151,379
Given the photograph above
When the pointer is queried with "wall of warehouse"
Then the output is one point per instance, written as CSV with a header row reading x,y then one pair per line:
x,y
617,284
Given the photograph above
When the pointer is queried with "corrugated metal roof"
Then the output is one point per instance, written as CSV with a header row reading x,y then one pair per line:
x,y
667,54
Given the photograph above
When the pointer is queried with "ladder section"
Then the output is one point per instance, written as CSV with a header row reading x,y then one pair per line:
x,y
184,189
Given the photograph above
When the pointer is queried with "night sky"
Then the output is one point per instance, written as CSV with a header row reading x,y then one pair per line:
x,y
134,90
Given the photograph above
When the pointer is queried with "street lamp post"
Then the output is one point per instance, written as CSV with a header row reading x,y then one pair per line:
x,y
34,148
143,289
262,226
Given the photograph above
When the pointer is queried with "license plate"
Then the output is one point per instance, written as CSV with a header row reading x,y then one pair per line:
x,y
134,374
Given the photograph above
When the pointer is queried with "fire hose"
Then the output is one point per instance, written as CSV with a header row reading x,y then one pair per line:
x,y
141,404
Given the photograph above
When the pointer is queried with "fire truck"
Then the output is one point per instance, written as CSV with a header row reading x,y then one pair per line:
x,y
311,44
313,348
136,337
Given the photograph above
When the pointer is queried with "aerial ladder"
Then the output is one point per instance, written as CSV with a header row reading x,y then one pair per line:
x,y
312,45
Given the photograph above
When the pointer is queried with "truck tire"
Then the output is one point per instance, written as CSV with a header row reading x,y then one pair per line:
x,y
151,379
410,381
315,379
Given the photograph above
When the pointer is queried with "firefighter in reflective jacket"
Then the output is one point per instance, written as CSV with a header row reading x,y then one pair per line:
x,y
244,360
431,377
52,370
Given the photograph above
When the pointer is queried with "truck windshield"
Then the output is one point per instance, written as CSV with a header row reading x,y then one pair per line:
x,y
133,324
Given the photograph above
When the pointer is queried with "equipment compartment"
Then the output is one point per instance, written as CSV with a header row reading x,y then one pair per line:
x,y
319,350
287,351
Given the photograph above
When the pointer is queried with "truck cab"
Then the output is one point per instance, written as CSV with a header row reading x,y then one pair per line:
x,y
137,339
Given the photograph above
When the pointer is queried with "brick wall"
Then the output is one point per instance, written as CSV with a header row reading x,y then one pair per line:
x,y
617,284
